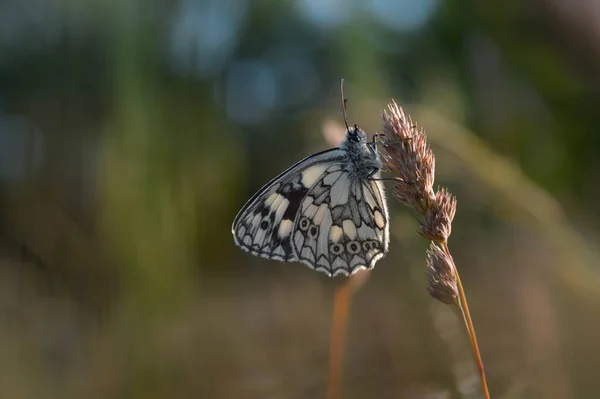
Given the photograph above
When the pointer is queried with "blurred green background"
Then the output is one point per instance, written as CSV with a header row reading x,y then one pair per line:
x,y
131,132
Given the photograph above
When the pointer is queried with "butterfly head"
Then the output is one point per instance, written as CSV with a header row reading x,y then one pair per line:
x,y
356,135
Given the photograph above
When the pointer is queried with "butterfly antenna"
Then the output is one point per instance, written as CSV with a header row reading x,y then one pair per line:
x,y
344,101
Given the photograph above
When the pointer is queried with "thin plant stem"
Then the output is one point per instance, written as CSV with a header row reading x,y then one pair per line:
x,y
339,327
337,344
464,308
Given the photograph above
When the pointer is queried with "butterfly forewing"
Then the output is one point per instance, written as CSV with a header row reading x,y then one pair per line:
x,y
265,224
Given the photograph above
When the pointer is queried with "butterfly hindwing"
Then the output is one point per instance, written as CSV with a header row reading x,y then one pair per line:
x,y
265,224
342,225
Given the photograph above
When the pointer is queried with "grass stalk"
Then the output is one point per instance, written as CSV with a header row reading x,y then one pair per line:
x,y
466,314
337,340
339,330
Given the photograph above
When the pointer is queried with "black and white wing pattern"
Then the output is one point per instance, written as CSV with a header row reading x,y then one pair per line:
x,y
342,226
327,211
265,224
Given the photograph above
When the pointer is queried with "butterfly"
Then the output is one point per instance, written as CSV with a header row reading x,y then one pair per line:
x,y
327,211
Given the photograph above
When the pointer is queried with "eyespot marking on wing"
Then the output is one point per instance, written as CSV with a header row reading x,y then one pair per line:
x,y
336,249
353,247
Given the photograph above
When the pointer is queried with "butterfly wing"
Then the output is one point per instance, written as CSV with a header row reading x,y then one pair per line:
x,y
265,224
342,225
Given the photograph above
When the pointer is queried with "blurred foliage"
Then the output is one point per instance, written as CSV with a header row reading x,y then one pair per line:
x,y
132,132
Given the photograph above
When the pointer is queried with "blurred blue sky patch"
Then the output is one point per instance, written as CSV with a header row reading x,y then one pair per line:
x,y
204,35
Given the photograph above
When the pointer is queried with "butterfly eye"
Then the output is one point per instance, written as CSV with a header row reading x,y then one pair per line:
x,y
304,224
336,249
313,232
353,247
355,134
366,246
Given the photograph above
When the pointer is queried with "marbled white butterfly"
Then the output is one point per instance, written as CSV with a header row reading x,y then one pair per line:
x,y
327,211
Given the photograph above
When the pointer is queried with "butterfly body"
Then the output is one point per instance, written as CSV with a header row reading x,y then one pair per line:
x,y
327,211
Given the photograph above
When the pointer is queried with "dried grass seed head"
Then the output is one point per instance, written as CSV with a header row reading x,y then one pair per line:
x,y
437,224
441,276
409,157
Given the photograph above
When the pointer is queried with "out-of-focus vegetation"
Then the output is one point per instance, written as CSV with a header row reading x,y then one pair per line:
x,y
131,133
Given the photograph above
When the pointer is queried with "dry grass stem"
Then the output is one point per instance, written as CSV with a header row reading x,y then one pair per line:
x,y
339,326
410,159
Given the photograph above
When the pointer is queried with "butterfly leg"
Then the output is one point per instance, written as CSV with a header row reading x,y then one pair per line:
x,y
396,179
373,144
397,141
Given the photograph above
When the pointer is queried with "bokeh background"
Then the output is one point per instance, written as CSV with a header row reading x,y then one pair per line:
x,y
131,132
